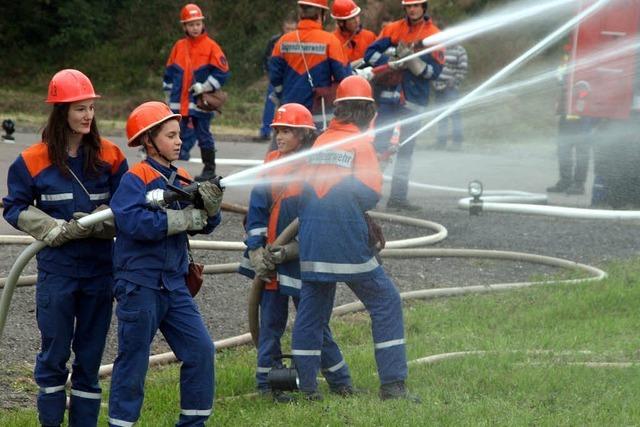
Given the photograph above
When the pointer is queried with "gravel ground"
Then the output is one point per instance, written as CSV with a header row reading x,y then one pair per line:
x,y
222,300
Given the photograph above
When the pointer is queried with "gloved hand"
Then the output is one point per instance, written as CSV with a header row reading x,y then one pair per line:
x,y
262,267
278,254
104,230
71,230
404,49
187,219
273,97
197,89
417,66
366,73
211,197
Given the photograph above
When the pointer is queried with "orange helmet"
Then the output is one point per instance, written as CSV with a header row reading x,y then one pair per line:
x,y
293,115
322,4
69,86
344,9
190,12
354,88
144,117
406,2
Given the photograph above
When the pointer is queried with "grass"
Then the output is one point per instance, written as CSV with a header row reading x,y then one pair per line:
x,y
509,385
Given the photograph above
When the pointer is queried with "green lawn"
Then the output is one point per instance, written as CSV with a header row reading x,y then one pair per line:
x,y
533,373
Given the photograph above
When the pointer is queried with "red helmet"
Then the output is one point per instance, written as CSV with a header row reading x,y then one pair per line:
x,y
344,9
190,12
406,2
293,115
322,4
69,86
144,117
354,88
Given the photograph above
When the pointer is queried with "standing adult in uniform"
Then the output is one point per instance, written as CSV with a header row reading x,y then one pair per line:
x,y
70,173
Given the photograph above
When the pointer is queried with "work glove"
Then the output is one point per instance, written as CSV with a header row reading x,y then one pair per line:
x,y
273,97
187,219
54,232
70,230
417,67
211,197
197,89
276,254
403,49
262,267
104,230
366,73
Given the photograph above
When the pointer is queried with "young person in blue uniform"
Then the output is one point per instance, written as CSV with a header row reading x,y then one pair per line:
x,y
341,184
150,267
70,173
272,207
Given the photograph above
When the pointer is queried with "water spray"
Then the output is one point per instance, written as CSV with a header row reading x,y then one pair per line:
x,y
521,60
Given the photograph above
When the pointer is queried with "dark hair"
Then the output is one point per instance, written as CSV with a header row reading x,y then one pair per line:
x,y
306,136
311,12
150,134
357,111
56,135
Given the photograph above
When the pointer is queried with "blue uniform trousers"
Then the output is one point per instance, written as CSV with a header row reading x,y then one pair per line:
x,y
141,312
267,114
389,114
381,299
198,130
72,313
444,97
274,308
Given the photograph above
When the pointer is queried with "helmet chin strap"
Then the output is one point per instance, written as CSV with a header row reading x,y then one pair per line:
x,y
153,143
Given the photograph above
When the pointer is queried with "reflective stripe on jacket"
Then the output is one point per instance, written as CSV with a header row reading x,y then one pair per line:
x,y
415,89
143,253
193,59
33,180
341,184
325,60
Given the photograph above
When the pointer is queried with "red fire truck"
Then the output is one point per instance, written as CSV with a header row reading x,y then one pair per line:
x,y
609,90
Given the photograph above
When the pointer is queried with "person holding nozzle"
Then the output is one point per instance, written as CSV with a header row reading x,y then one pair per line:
x,y
150,266
272,207
341,184
70,173
306,63
196,65
403,92
355,39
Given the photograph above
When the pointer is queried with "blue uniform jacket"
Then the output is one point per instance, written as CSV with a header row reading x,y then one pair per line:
x,y
272,207
412,89
33,180
308,48
341,184
143,252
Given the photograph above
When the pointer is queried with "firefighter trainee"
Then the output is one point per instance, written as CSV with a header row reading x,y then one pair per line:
x,y
150,266
272,207
196,65
405,92
341,185
71,172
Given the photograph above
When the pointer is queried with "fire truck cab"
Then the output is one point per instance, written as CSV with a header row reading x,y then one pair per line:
x,y
609,91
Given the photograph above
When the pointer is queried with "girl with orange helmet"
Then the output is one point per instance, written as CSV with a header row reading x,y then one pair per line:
x,y
71,172
150,266
272,208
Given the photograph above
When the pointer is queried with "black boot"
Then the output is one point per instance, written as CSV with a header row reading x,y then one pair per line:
x,y
397,390
560,187
209,160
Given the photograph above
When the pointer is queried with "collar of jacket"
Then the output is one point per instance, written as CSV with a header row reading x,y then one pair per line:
x,y
166,171
198,39
309,24
338,125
